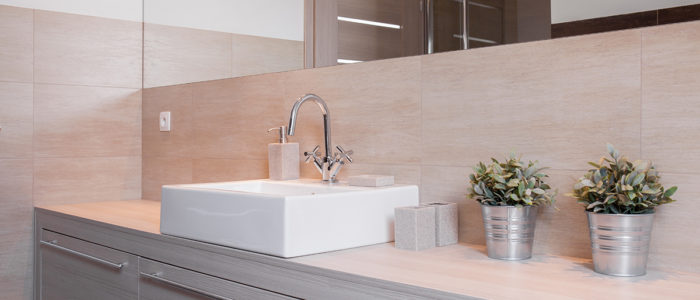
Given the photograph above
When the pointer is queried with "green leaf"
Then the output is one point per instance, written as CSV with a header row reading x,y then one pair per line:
x,y
529,171
498,178
597,166
610,199
638,179
641,165
487,192
586,182
594,204
538,191
521,188
514,197
513,182
611,149
478,190
670,192
614,209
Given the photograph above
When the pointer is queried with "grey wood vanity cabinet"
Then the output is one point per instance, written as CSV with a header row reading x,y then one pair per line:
x,y
79,258
73,269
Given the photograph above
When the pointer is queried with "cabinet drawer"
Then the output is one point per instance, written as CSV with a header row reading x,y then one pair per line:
x,y
163,281
75,269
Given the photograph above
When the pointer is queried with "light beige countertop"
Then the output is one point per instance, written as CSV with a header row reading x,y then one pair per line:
x,y
461,269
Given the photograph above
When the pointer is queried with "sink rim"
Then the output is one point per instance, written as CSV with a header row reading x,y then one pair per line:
x,y
343,186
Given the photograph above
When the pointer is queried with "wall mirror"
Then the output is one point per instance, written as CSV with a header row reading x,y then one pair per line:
x,y
197,40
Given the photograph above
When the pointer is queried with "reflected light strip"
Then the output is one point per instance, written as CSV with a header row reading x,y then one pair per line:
x,y
348,61
366,22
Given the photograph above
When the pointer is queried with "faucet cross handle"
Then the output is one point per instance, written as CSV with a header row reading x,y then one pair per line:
x,y
314,154
345,154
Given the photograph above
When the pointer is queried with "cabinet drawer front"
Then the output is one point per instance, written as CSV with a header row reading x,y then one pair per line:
x,y
75,269
166,282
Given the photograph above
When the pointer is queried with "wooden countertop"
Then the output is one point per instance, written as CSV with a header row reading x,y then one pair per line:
x,y
461,269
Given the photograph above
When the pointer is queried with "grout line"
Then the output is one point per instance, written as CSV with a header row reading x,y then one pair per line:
x,y
143,43
18,82
641,91
84,157
33,95
87,85
143,80
230,65
422,123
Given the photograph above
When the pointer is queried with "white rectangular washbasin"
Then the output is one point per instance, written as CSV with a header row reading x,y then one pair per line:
x,y
283,218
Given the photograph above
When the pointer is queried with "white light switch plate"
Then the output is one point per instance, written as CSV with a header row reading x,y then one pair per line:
x,y
164,121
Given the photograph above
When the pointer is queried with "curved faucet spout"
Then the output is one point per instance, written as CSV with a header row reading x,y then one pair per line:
x,y
326,121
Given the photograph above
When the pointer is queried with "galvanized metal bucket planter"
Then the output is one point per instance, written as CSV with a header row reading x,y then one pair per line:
x,y
620,243
510,231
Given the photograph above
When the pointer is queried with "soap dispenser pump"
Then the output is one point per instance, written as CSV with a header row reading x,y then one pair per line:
x,y
283,157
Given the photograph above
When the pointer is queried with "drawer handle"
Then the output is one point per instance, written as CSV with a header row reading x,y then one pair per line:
x,y
157,277
53,244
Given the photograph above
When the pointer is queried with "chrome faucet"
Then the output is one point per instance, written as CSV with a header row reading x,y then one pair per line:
x,y
330,163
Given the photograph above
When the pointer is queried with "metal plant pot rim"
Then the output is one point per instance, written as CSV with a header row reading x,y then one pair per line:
x,y
621,215
523,206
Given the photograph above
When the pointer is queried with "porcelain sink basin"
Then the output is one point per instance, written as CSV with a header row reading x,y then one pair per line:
x,y
283,218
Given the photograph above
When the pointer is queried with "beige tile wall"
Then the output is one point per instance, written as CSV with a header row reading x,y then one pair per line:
x,y
175,55
427,120
16,44
70,112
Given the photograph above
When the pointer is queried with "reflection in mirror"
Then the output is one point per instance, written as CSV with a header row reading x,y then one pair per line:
x,y
197,40
351,31
379,29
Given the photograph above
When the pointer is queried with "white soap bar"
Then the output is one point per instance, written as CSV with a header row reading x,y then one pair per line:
x,y
371,180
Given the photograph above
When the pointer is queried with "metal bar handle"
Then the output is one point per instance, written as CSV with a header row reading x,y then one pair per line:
x,y
157,277
53,244
430,26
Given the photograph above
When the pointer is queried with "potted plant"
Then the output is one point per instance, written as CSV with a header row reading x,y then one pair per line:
x,y
509,193
620,197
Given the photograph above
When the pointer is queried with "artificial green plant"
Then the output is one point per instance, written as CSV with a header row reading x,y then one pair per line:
x,y
617,186
510,183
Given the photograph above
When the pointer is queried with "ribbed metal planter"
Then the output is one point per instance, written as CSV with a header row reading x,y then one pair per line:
x,y
510,231
620,243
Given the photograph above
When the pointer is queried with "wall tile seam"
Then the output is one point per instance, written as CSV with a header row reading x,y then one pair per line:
x,y
641,89
470,166
230,44
15,159
16,82
36,156
34,120
87,85
84,157
661,172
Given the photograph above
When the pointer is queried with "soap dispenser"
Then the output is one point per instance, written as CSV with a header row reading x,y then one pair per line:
x,y
283,157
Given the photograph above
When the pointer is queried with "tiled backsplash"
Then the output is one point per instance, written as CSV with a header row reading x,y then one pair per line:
x,y
428,119
70,107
